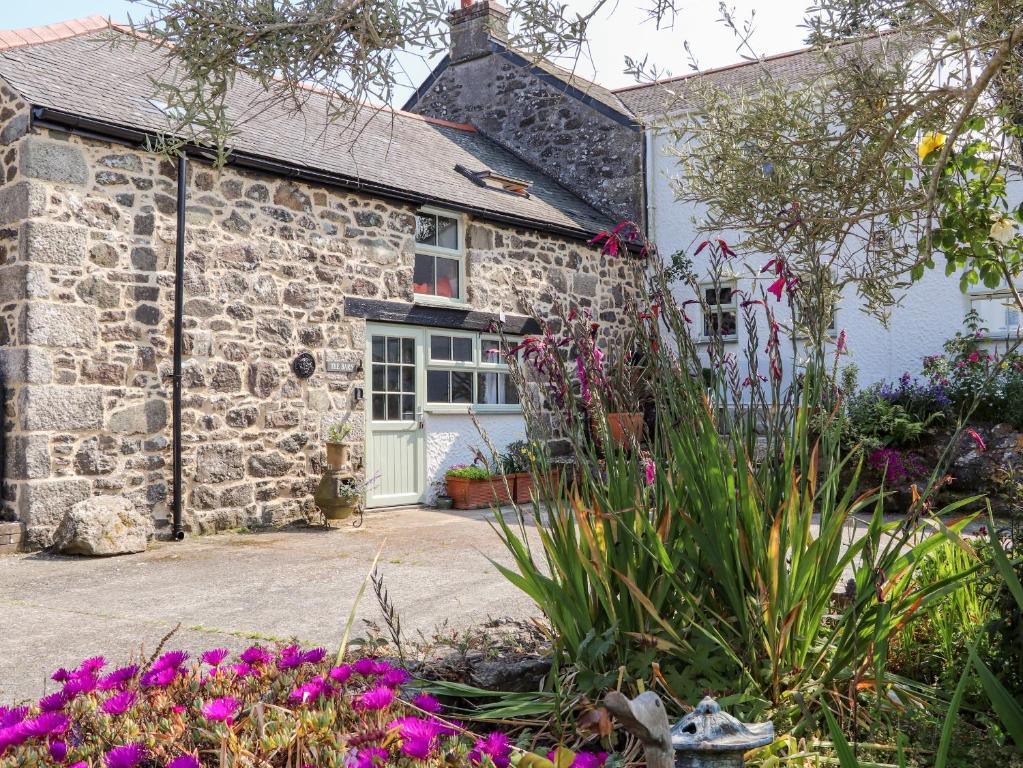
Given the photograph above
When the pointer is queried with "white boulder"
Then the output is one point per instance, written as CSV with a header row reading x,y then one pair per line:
x,y
101,526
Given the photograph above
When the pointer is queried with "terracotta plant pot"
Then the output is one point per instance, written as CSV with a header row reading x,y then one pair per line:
x,y
339,455
524,485
625,427
477,494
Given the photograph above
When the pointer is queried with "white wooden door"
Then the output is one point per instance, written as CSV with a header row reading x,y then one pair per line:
x,y
395,438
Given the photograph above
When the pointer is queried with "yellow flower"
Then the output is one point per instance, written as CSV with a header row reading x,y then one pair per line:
x,y
1002,231
930,142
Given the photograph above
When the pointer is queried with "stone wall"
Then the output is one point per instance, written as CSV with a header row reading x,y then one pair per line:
x,y
86,303
589,152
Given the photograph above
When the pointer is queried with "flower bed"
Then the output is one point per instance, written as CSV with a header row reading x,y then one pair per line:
x,y
475,488
268,708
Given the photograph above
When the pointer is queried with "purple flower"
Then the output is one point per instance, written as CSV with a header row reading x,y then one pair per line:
x,y
58,750
312,690
374,699
55,702
394,677
314,656
496,746
222,709
427,703
589,759
290,657
79,764
12,736
257,654
89,667
373,757
61,676
118,678
185,761
128,756
79,685
172,660
341,674
118,704
215,657
159,678
244,670
46,724
419,738
365,667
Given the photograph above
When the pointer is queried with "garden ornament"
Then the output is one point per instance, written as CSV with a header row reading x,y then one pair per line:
x,y
705,738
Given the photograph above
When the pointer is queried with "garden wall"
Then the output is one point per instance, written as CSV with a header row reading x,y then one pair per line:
x,y
86,304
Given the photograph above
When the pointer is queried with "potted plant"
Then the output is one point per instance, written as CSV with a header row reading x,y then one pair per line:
x,y
473,487
441,499
339,497
519,462
339,451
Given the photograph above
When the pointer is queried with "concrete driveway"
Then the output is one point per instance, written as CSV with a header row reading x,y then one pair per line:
x,y
228,589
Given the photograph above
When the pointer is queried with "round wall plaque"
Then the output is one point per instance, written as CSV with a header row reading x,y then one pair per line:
x,y
304,365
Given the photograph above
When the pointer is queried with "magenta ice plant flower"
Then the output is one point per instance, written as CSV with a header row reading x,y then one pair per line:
x,y
185,761
394,677
256,654
366,667
55,702
118,678
371,757
222,709
419,738
90,667
215,657
159,678
170,660
127,756
496,746
45,725
377,698
57,750
341,674
119,703
312,690
427,703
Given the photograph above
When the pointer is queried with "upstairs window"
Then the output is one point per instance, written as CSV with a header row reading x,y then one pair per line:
x,y
439,272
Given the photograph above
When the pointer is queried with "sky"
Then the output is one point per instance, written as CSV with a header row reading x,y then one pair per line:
x,y
619,30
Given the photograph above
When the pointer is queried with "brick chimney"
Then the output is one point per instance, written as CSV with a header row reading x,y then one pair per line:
x,y
472,26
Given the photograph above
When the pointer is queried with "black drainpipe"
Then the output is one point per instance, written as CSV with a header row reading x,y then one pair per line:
x,y
179,304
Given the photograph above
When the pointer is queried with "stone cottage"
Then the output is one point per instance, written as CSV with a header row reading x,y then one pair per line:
x,y
324,279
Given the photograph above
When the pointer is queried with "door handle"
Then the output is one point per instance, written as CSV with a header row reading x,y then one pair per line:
x,y
420,418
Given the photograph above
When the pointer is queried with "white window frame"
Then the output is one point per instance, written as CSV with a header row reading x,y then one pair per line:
x,y
982,293
434,250
733,307
477,366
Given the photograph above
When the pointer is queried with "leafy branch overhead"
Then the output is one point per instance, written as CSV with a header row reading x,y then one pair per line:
x,y
352,51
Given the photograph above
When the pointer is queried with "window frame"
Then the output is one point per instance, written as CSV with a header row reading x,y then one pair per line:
x,y
718,309
983,293
479,340
458,254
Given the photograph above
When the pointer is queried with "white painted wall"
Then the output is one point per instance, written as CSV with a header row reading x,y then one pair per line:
x,y
931,310
450,439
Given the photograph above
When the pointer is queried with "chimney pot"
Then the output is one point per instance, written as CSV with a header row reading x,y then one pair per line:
x,y
472,27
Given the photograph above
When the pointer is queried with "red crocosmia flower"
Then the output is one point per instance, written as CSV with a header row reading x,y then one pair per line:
x,y
222,709
377,698
840,344
214,657
777,287
701,246
776,264
975,436
725,249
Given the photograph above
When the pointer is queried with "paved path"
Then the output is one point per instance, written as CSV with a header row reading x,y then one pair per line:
x,y
227,589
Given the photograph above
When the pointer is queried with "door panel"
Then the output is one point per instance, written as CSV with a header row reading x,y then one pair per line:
x,y
395,438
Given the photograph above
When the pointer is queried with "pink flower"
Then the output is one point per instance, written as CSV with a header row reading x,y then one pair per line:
x,y
185,761
419,738
53,703
585,759
312,690
377,698
341,674
46,724
222,709
90,666
373,757
128,756
257,654
366,667
158,678
314,656
119,704
975,436
215,657
427,703
118,678
496,746
171,660
777,287
649,471
395,677
57,750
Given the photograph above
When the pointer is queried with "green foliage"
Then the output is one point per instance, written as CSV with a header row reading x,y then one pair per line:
x,y
519,456
471,472
339,432
876,421
716,574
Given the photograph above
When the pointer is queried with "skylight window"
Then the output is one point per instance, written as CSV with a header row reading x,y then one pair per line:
x,y
493,180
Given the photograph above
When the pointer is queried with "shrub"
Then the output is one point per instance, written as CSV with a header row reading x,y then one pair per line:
x,y
518,456
896,466
284,707
887,414
469,472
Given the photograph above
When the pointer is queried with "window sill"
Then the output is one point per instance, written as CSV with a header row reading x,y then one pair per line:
x,y
427,300
442,409
725,339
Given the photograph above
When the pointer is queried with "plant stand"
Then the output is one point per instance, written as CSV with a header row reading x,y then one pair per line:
x,y
328,498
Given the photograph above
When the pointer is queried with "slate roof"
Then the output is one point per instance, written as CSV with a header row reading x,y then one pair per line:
x,y
68,68
804,65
